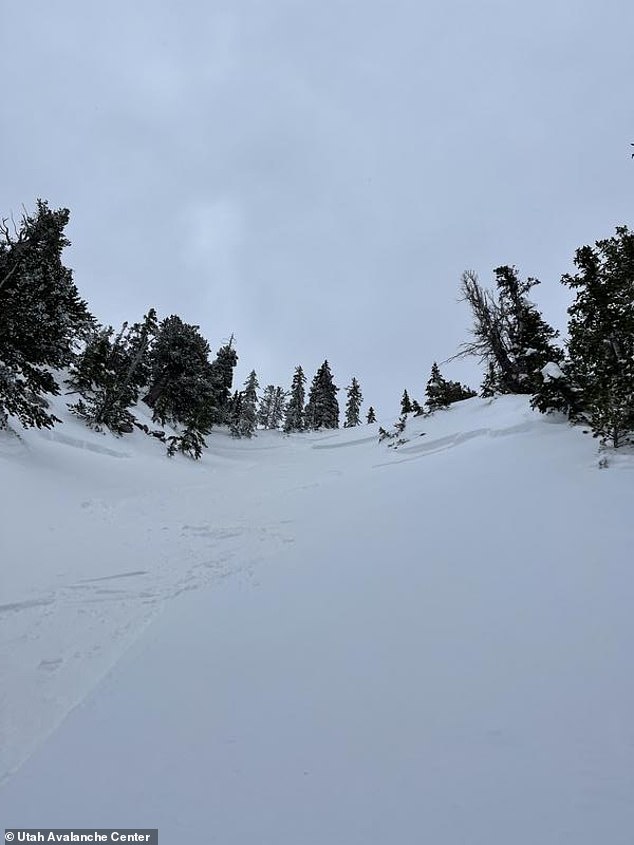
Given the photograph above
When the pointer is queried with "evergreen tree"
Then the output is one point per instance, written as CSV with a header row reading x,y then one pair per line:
x,y
353,404
509,333
234,412
384,434
529,338
442,393
406,405
371,417
271,408
181,376
416,408
322,409
90,366
110,373
294,412
436,390
278,406
457,392
490,384
191,442
266,406
601,336
222,378
246,419
557,392
41,315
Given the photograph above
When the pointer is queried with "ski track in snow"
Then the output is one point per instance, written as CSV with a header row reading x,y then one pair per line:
x,y
103,534
60,634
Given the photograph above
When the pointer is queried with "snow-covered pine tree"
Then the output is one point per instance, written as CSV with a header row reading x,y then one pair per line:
x,y
222,368
441,393
601,336
182,384
490,383
90,366
294,412
509,332
322,409
271,407
277,408
557,392
234,411
353,404
246,420
101,369
265,406
529,338
112,372
190,442
436,390
417,410
457,392
371,417
42,316
406,405
181,377
384,434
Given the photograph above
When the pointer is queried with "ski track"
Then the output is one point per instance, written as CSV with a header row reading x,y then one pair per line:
x,y
69,633
57,642
123,535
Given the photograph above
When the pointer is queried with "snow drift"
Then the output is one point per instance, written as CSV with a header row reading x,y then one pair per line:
x,y
319,638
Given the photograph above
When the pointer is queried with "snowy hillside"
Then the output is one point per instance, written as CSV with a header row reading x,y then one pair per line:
x,y
320,639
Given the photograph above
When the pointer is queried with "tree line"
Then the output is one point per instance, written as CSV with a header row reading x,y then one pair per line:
x,y
50,341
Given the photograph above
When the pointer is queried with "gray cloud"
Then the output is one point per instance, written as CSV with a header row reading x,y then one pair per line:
x,y
315,176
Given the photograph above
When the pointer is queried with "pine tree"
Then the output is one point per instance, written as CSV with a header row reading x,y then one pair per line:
x,y
416,408
42,316
182,384
266,406
509,333
353,404
442,393
271,407
246,420
222,378
490,384
384,434
294,412
234,412
322,409
371,417
181,377
436,390
90,366
457,392
406,405
110,373
529,338
277,408
191,442
601,336
557,392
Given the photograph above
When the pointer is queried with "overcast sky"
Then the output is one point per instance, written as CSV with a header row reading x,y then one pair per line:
x,y
315,176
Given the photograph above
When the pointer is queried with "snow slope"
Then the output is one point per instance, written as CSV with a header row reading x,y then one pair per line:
x,y
319,638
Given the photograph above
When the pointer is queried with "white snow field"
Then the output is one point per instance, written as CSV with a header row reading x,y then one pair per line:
x,y
318,639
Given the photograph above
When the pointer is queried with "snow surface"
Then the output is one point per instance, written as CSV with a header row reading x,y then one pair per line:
x,y
320,639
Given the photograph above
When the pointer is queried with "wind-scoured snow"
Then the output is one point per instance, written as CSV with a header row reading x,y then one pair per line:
x,y
319,638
